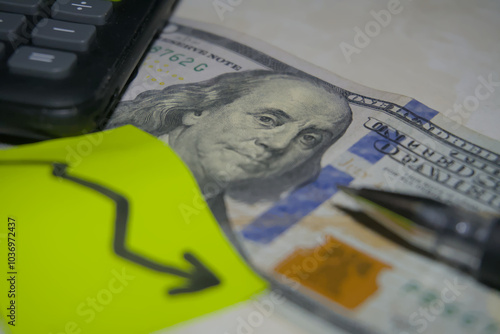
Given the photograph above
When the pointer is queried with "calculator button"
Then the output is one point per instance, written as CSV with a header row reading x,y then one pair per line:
x,y
87,11
40,62
30,7
11,26
63,35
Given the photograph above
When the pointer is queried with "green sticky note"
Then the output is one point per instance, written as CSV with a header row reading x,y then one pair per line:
x,y
95,239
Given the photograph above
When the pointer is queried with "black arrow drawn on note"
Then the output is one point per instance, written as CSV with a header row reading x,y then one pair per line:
x,y
199,277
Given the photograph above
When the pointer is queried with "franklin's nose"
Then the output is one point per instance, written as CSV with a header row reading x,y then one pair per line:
x,y
276,140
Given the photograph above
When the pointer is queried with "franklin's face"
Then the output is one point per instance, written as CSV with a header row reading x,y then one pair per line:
x,y
271,130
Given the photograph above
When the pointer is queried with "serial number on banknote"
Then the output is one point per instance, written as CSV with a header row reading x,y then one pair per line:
x,y
178,58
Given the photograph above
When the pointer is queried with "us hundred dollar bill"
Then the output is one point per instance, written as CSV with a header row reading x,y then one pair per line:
x,y
269,138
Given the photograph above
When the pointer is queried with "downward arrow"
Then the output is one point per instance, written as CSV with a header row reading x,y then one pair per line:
x,y
198,278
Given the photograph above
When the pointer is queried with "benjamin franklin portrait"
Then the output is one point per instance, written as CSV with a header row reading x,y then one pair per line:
x,y
255,133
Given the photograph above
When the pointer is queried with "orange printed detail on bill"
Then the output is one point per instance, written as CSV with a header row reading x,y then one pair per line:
x,y
336,270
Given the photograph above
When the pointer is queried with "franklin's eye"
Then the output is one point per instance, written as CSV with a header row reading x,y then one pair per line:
x,y
310,139
266,120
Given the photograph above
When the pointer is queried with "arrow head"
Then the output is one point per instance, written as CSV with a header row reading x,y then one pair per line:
x,y
200,277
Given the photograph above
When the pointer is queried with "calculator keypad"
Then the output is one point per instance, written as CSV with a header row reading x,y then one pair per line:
x,y
63,75
30,29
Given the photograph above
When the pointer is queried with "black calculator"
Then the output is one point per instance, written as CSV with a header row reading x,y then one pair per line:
x,y
64,63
